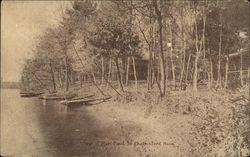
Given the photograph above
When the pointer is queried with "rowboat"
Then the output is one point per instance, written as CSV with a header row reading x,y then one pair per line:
x,y
56,97
29,94
84,101
47,97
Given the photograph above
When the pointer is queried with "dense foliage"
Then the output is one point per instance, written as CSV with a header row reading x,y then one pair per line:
x,y
184,43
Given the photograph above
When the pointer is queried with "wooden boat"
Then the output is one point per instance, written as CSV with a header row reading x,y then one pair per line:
x,y
85,100
56,97
22,92
48,97
29,94
78,98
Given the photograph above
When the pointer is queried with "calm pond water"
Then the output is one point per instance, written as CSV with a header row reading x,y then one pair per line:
x,y
33,127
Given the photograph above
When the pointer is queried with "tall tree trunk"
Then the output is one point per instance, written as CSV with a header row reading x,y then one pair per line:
x,y
102,69
166,69
183,48
173,68
119,73
52,76
198,48
60,77
81,79
211,73
154,79
226,73
158,72
241,70
123,70
209,80
149,73
211,69
195,74
71,77
219,62
66,74
110,68
162,62
187,71
127,70
171,56
93,76
203,36
149,76
135,75
162,56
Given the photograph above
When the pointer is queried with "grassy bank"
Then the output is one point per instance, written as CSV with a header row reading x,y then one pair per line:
x,y
204,123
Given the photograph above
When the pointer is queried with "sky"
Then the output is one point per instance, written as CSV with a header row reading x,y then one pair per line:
x,y
21,23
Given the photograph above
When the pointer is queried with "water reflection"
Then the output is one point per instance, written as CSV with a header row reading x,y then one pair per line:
x,y
66,129
30,126
54,106
20,130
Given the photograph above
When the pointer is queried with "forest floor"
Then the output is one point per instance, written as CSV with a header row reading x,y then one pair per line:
x,y
183,123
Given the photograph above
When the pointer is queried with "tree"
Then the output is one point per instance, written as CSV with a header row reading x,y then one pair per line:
x,y
115,38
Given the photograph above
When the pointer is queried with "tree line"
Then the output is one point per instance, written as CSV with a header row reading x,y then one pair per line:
x,y
183,42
